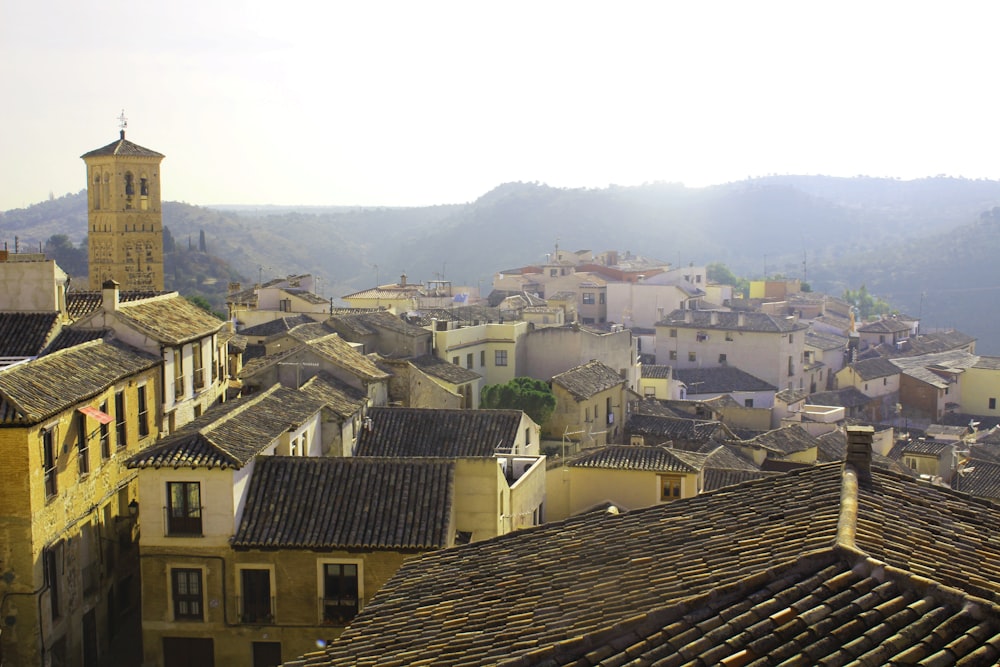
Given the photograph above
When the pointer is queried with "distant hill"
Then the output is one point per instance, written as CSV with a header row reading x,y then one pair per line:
x,y
901,238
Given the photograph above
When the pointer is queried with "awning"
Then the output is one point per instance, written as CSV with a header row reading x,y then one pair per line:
x,y
102,417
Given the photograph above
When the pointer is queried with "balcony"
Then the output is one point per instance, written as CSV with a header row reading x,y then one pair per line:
x,y
255,610
338,611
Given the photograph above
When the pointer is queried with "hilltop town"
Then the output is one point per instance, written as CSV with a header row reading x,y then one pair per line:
x,y
699,476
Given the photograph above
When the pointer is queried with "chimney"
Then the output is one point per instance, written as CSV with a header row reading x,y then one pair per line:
x,y
109,296
402,280
688,317
859,451
714,318
741,319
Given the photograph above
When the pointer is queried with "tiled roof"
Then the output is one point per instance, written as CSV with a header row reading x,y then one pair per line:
x,y
720,379
656,372
306,295
122,148
83,303
435,432
588,380
920,367
885,325
33,391
342,398
347,503
280,325
371,322
444,370
988,363
717,478
979,478
816,566
474,314
672,428
872,369
730,321
634,457
25,334
231,434
825,341
170,319
69,337
848,397
331,347
926,447
784,441
657,407
790,396
388,292
310,331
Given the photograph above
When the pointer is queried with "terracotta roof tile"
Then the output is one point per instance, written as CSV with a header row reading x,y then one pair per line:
x,y
170,319
347,503
25,334
415,432
123,148
589,379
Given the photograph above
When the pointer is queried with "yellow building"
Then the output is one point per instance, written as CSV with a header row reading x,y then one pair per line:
x,y
981,388
624,476
495,351
70,567
590,405
124,217
397,298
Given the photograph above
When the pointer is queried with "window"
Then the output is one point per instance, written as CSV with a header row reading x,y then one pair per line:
x,y
748,403
82,446
673,333
791,366
178,373
588,298
468,361
789,338
482,358
49,462
602,297
120,430
722,358
183,508
673,355
285,305
143,412
500,358
105,437
341,596
885,381
51,564
199,369
692,356
649,392
993,404
256,603
670,487
454,360
729,336
185,584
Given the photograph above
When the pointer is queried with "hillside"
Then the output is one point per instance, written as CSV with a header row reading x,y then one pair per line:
x,y
901,238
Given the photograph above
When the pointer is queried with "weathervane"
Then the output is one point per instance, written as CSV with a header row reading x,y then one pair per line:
x,y
122,121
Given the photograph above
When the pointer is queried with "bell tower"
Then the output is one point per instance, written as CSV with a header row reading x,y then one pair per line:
x,y
124,218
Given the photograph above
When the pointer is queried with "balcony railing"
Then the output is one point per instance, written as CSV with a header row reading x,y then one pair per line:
x,y
255,610
339,611
183,524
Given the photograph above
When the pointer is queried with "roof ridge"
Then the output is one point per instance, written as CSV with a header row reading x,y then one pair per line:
x,y
847,522
254,399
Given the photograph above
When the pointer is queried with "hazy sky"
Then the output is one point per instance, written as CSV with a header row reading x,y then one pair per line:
x,y
412,103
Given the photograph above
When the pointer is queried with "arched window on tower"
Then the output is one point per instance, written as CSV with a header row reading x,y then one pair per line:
x,y
97,190
106,194
143,193
129,189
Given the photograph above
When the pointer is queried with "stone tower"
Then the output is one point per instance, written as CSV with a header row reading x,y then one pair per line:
x,y
124,218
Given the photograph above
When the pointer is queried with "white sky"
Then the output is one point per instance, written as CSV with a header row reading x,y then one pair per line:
x,y
413,103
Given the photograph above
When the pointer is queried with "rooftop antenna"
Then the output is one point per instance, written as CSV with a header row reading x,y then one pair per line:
x,y
122,123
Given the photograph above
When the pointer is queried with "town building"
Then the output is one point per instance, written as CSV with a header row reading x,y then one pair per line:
x,y
591,405
494,350
124,216
768,347
829,564
499,473
68,420
554,350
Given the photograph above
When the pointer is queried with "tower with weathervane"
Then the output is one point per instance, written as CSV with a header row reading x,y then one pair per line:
x,y
124,217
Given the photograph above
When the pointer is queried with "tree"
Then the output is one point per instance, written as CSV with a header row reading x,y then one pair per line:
x,y
533,396
201,241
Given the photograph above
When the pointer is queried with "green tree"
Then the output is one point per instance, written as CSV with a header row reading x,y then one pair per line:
x,y
533,396
868,305
717,272
71,259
